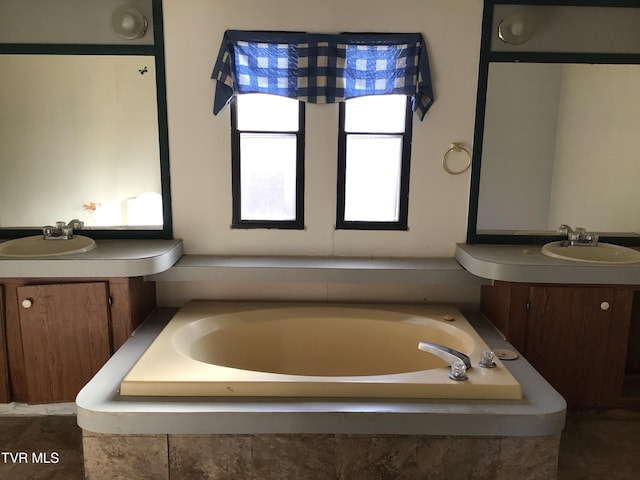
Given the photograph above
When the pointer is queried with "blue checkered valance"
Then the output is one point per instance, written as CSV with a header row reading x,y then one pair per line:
x,y
323,68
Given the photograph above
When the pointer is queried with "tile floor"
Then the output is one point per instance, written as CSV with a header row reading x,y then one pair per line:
x,y
593,447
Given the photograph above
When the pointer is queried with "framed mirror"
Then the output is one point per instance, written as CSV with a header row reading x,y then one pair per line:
x,y
83,126
557,122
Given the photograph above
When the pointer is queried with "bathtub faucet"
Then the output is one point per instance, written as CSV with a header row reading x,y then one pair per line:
x,y
453,357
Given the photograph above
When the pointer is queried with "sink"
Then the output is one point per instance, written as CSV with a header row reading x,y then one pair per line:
x,y
36,246
602,253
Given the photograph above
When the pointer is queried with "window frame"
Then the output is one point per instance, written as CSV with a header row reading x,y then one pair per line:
x,y
402,224
236,221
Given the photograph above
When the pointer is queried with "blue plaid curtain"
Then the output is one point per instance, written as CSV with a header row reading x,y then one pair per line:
x,y
323,68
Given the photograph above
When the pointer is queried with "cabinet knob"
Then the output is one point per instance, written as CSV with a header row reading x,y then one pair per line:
x,y
605,306
27,303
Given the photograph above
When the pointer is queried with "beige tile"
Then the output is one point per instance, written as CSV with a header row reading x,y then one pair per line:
x,y
211,457
126,457
376,458
50,433
42,436
446,458
593,447
528,458
293,457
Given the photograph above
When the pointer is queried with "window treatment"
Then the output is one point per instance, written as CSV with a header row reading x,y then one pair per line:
x,y
323,68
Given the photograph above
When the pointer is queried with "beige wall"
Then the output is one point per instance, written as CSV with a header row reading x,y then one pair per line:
x,y
200,151
75,129
596,157
199,141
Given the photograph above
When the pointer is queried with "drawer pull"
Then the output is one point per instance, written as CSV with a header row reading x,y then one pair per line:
x,y
605,306
27,303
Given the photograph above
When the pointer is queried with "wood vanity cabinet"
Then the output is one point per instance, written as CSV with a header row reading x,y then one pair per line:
x,y
59,334
578,337
4,372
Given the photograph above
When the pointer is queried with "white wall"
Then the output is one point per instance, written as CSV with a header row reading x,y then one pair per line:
x,y
518,145
597,149
75,129
199,142
201,158
67,21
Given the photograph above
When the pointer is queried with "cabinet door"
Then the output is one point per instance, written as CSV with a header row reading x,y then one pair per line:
x,y
567,332
65,337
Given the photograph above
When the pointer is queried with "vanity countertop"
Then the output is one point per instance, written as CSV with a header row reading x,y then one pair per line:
x,y
111,258
527,264
436,271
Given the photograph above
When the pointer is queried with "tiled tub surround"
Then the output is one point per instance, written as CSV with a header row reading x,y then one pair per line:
x,y
318,457
314,438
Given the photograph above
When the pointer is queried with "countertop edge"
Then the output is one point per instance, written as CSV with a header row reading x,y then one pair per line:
x,y
112,258
100,408
526,264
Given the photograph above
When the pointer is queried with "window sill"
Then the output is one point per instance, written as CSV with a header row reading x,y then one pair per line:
x,y
426,271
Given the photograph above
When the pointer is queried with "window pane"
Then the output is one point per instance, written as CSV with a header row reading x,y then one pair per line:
x,y
260,112
376,114
267,177
372,183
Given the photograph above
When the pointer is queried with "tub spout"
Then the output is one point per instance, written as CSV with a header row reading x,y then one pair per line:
x,y
447,354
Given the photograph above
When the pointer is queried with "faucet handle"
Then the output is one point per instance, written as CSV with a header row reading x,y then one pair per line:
x,y
76,224
486,359
564,229
577,234
458,371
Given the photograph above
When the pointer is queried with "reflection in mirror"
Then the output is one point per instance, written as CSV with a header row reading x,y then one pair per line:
x,y
79,139
557,122
560,146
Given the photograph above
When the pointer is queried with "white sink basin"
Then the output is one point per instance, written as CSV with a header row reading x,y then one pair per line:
x,y
36,246
602,253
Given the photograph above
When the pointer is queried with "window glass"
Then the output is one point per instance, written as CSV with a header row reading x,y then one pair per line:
x,y
268,177
372,179
260,112
376,114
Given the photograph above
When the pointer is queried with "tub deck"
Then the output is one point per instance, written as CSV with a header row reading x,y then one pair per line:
x,y
251,349
101,408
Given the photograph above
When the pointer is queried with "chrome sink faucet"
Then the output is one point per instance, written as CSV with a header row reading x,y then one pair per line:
x,y
578,237
62,231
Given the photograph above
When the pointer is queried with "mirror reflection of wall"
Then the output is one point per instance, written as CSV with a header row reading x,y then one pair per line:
x,y
78,138
557,122
561,143
83,121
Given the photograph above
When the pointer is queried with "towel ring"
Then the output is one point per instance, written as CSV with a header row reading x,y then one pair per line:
x,y
456,147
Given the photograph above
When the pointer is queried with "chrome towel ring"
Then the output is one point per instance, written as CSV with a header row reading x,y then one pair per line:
x,y
456,147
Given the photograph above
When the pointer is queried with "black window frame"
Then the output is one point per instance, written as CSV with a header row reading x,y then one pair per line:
x,y
236,220
403,214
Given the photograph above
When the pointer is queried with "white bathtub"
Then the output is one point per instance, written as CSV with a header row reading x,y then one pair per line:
x,y
314,350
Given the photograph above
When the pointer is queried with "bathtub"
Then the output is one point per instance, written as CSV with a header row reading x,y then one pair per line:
x,y
314,350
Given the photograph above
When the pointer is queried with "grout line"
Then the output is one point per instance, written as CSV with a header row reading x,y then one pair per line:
x,y
14,408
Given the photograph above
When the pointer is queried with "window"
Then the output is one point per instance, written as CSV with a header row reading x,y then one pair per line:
x,y
378,80
374,149
267,154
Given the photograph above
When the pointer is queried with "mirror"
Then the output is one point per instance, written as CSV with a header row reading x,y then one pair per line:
x,y
83,135
556,137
